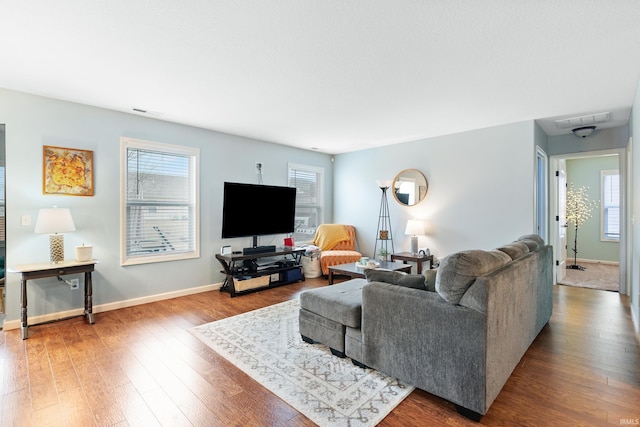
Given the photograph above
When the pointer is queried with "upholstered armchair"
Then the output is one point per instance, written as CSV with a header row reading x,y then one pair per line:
x,y
338,245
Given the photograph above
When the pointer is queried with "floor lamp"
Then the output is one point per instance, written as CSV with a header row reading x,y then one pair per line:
x,y
384,234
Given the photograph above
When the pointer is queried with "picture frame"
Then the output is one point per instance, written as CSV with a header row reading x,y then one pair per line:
x,y
67,171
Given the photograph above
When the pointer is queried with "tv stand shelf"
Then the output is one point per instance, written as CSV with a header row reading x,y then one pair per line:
x,y
286,265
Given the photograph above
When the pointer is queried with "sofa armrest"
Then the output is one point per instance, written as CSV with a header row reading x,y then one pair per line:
x,y
418,337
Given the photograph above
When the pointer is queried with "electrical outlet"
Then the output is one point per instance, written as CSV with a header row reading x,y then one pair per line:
x,y
258,167
74,284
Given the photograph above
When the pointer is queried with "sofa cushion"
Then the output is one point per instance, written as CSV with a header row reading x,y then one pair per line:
x,y
515,250
458,271
415,281
533,241
341,303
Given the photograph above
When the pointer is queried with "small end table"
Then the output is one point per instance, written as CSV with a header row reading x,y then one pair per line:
x,y
418,259
43,270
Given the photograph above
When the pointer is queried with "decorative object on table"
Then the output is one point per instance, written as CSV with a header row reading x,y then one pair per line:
x,y
410,187
67,171
415,228
579,209
54,221
383,234
328,390
84,253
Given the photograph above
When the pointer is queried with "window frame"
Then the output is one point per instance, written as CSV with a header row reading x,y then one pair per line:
x,y
194,154
603,228
319,172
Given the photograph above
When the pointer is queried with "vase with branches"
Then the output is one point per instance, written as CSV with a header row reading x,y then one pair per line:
x,y
579,210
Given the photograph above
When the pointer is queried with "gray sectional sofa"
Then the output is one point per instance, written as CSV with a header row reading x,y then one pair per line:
x,y
458,333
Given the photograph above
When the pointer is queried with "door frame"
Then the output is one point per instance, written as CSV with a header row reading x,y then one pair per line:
x,y
624,287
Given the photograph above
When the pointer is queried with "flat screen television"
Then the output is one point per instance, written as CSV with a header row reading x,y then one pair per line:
x,y
257,210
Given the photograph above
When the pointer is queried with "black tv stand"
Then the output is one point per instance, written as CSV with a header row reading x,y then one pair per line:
x,y
243,275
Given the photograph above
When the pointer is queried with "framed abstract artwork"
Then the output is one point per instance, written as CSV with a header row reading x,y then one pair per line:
x,y
67,171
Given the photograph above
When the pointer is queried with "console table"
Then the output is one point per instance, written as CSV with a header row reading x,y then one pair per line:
x,y
46,269
244,274
418,259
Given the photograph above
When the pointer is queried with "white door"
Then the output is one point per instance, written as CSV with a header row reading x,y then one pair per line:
x,y
561,222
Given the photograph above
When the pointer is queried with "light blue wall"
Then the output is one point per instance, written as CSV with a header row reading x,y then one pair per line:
x,y
605,139
33,121
586,173
480,189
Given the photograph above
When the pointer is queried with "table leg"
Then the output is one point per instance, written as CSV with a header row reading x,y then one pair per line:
x,y
331,277
24,327
419,267
88,297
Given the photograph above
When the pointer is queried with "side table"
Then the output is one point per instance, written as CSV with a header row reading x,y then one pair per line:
x,y
46,269
418,259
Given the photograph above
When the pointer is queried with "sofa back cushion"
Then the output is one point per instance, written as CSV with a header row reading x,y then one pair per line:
x,y
533,241
415,281
515,250
458,271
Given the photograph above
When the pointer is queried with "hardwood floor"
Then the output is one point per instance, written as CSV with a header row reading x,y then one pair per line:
x,y
140,366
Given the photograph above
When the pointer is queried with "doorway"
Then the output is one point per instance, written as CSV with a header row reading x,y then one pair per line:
x,y
600,244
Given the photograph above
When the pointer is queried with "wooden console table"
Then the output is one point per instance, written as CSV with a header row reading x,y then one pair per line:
x,y
418,259
46,269
239,268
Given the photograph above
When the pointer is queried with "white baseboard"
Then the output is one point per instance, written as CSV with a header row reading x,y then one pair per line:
x,y
15,324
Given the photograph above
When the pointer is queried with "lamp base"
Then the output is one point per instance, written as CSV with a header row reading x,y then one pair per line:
x,y
56,248
414,245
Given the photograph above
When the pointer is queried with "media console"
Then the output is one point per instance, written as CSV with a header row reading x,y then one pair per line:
x,y
254,272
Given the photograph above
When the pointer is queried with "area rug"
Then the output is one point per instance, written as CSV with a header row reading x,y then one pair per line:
x,y
595,276
266,345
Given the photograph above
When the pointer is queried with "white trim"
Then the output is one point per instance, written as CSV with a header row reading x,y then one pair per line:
x,y
15,324
603,173
592,261
540,153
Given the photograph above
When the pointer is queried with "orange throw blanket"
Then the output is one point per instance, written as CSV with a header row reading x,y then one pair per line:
x,y
329,235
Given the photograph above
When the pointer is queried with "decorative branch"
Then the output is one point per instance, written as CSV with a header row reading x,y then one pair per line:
x,y
579,210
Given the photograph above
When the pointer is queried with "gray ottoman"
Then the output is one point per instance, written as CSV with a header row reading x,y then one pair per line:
x,y
326,313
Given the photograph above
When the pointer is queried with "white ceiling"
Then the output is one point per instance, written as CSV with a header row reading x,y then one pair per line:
x,y
331,75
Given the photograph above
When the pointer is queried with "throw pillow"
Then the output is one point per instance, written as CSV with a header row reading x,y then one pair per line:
x,y
430,279
414,281
458,271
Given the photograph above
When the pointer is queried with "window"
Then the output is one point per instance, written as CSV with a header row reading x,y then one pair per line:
x,y
159,202
308,181
610,205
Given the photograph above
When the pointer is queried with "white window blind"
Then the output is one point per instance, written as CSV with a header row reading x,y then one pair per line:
x,y
610,205
160,218
308,180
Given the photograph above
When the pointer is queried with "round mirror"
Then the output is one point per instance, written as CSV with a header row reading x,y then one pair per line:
x,y
410,187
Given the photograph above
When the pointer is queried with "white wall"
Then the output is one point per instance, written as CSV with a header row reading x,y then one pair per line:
x,y
33,121
480,189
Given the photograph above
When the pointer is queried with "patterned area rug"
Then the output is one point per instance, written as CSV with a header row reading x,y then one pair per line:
x,y
330,391
595,276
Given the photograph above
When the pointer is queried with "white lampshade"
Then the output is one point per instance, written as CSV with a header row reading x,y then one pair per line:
x,y
384,183
415,227
54,220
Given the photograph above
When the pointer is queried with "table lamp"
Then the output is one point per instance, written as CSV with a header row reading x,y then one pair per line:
x,y
414,229
54,221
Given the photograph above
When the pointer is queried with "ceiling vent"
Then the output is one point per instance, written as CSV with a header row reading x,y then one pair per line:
x,y
589,120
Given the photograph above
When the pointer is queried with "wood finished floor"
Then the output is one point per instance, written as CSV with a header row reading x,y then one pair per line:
x,y
140,366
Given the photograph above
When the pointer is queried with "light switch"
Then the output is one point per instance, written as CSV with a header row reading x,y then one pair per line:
x,y
26,220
